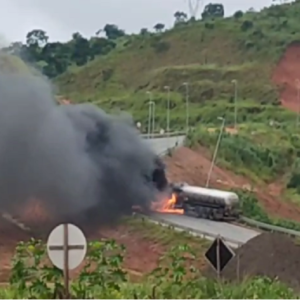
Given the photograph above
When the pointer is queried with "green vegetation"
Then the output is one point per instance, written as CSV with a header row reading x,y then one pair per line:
x,y
115,71
102,277
252,209
213,55
163,235
261,152
208,54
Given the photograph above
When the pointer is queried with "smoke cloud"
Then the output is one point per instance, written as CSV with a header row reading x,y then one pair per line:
x,y
76,159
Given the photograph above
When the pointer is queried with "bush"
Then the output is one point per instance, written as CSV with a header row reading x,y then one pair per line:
x,y
103,278
246,25
294,180
238,14
252,209
159,45
244,155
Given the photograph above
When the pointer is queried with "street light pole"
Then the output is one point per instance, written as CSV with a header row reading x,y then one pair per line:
x,y
153,118
298,100
150,112
187,95
168,109
234,81
216,150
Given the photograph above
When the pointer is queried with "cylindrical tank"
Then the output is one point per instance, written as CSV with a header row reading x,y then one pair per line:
x,y
212,196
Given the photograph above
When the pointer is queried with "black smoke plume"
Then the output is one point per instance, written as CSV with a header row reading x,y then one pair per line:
x,y
77,160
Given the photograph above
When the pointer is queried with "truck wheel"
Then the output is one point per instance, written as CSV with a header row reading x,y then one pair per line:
x,y
206,213
216,215
199,212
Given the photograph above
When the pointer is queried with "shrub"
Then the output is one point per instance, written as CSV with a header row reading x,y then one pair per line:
x,y
103,278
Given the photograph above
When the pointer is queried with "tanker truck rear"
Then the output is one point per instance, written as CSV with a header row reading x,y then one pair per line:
x,y
207,203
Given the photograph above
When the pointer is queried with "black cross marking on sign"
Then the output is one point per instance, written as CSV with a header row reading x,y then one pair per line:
x,y
65,247
69,247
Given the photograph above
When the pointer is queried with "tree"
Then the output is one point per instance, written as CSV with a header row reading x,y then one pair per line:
x,y
100,46
159,27
112,32
144,31
180,17
14,48
213,11
81,49
238,14
56,57
37,37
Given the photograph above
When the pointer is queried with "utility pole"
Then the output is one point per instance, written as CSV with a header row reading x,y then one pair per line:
x,y
149,113
168,109
187,96
298,100
234,81
153,118
194,7
216,151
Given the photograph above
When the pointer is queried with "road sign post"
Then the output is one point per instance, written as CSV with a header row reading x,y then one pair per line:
x,y
66,248
218,255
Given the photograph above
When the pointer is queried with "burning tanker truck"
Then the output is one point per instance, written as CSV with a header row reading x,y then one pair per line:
x,y
82,164
205,203
181,198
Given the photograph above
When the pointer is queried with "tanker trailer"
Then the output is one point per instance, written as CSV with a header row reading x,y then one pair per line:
x,y
207,203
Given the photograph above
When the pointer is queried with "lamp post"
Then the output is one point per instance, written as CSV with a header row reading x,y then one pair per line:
x,y
216,150
187,95
168,109
149,113
153,117
235,82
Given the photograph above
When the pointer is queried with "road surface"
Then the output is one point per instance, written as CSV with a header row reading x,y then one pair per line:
x,y
226,230
160,145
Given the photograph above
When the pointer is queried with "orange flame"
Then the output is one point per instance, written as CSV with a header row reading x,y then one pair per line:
x,y
167,206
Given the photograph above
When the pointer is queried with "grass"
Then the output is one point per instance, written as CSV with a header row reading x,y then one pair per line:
x,y
165,235
264,153
251,208
177,276
207,54
259,288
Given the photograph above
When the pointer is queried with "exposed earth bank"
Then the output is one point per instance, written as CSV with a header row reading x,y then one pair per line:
x,y
286,76
192,166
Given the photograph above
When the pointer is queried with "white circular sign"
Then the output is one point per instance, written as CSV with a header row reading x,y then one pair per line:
x,y
76,245
138,125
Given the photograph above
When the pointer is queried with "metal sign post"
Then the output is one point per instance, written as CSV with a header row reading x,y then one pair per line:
x,y
218,258
218,255
66,260
62,243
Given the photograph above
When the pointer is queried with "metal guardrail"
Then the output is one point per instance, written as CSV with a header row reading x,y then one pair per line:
x,y
268,227
164,135
251,222
196,232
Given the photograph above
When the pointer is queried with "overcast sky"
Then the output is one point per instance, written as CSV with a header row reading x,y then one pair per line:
x,y
61,18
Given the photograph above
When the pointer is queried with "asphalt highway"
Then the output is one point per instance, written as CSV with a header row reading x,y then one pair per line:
x,y
225,230
160,145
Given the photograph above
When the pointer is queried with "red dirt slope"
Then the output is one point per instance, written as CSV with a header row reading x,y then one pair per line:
x,y
286,74
192,167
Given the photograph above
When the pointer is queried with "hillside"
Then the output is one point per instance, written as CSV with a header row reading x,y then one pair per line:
x,y
251,57
258,51
208,55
